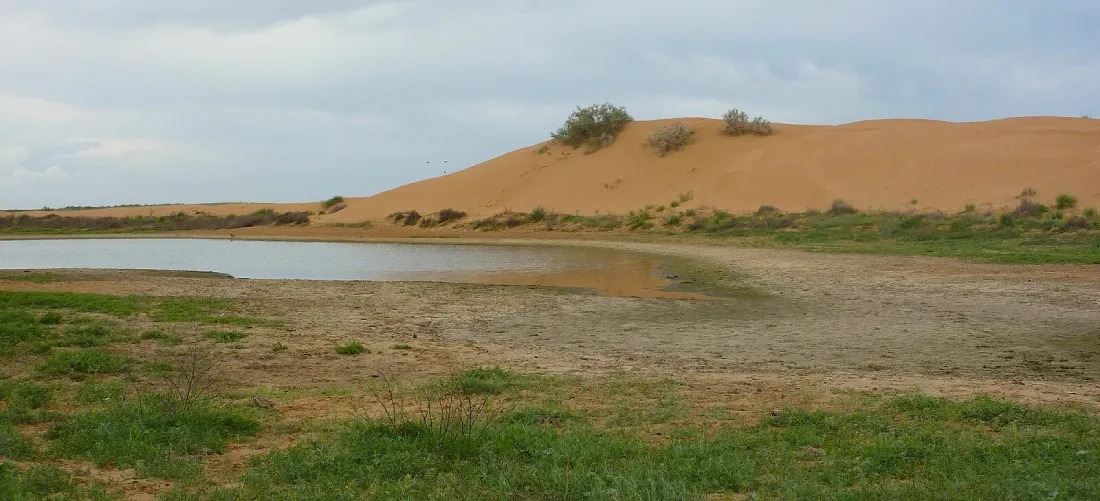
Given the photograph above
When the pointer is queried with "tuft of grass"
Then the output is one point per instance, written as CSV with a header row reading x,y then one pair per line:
x,y
690,213
352,348
668,138
85,362
151,435
1065,201
25,394
593,127
94,392
225,336
401,347
485,381
674,204
51,318
673,220
970,208
1090,211
279,347
158,335
13,445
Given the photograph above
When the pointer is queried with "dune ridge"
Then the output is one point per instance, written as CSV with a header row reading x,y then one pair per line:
x,y
875,164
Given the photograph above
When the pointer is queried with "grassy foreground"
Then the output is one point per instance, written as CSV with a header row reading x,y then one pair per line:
x,y
82,387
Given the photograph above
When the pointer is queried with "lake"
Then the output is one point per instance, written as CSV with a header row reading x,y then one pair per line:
x,y
604,271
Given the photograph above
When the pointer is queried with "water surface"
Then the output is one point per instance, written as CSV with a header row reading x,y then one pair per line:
x,y
605,271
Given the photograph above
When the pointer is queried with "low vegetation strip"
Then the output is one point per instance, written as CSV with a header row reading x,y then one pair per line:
x,y
24,223
1032,233
909,447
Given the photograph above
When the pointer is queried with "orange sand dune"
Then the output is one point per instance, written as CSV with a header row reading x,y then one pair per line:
x,y
228,209
873,164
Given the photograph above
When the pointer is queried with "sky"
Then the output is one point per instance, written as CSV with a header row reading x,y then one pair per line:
x,y
107,102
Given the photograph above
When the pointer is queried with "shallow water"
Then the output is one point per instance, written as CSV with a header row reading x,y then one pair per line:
x,y
605,271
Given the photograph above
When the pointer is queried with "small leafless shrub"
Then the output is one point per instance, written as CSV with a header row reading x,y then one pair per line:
x,y
668,138
738,124
841,208
189,379
448,215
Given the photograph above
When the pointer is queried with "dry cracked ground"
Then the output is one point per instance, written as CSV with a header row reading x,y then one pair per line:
x,y
815,324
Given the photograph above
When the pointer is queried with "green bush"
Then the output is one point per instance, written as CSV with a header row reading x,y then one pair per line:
x,y
738,124
594,127
668,138
1065,201
333,201
1090,211
537,214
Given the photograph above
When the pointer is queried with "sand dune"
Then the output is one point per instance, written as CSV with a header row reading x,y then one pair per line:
x,y
879,164
873,164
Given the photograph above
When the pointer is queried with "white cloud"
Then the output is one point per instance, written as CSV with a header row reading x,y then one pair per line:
x,y
208,99
20,177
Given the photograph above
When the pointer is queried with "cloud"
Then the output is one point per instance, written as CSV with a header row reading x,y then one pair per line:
x,y
257,100
20,177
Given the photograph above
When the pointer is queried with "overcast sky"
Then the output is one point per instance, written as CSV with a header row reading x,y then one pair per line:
x,y
152,101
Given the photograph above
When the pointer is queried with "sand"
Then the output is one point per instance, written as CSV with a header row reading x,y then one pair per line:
x,y
883,164
878,164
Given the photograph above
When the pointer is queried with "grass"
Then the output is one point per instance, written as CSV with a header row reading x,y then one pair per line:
x,y
13,445
401,347
906,448
151,435
352,348
85,362
45,482
225,336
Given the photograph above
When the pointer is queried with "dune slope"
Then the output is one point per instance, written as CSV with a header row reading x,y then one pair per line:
x,y
873,164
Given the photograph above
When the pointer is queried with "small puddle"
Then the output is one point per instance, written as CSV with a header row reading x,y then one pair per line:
x,y
603,271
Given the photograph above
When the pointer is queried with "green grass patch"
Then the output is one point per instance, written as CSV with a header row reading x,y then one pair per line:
x,y
85,362
45,482
352,348
225,336
95,392
150,435
25,393
909,448
159,335
119,306
13,445
488,381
